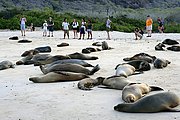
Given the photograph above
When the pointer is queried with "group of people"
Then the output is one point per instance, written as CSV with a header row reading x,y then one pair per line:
x,y
149,22
88,26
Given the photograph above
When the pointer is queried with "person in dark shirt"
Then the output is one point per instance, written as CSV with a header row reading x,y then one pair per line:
x,y
89,29
138,33
50,26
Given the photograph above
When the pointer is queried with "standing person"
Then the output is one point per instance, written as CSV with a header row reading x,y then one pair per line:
x,y
160,25
89,29
45,25
75,26
108,27
23,25
50,26
65,26
149,23
82,28
32,27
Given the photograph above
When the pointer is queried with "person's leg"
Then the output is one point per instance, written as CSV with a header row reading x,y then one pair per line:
x,y
52,34
83,36
24,32
74,34
80,36
64,34
108,35
68,34
88,34
91,34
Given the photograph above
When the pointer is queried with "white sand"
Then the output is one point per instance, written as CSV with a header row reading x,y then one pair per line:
x,y
24,100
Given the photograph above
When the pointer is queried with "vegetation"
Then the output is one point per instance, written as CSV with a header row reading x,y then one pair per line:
x,y
10,19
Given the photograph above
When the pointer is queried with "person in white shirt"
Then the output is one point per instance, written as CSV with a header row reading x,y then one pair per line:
x,y
75,26
108,27
65,26
23,25
45,25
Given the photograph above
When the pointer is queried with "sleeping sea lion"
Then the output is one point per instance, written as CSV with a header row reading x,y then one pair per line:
x,y
87,83
14,38
161,63
81,56
24,41
58,77
70,68
174,48
6,64
63,44
160,47
160,102
134,91
170,42
43,49
141,56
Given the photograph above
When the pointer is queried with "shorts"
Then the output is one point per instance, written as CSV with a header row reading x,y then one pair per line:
x,y
149,27
66,32
82,31
23,27
89,30
50,28
107,29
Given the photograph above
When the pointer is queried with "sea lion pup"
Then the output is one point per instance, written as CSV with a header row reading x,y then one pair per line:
x,y
14,38
63,45
170,42
161,63
141,56
70,68
29,52
87,83
58,77
25,60
50,60
134,91
113,82
140,65
105,46
174,48
73,61
97,44
6,64
160,47
81,56
126,70
43,49
24,41
159,102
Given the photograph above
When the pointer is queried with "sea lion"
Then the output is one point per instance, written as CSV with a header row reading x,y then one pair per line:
x,y
134,91
125,70
90,49
24,41
6,64
105,46
50,60
70,68
140,65
87,83
25,60
63,44
141,56
113,82
14,38
81,56
159,102
160,63
43,49
97,44
29,52
58,77
170,42
159,47
86,51
73,61
174,48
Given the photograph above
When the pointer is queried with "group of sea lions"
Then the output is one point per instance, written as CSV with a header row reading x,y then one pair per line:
x,y
173,45
72,67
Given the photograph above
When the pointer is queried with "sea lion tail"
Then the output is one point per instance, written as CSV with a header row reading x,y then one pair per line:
x,y
155,88
95,69
33,79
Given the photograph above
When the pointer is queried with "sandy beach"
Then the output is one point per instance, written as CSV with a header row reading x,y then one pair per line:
x,y
20,99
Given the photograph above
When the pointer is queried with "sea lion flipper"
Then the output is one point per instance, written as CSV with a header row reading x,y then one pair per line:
x,y
95,69
63,73
155,88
